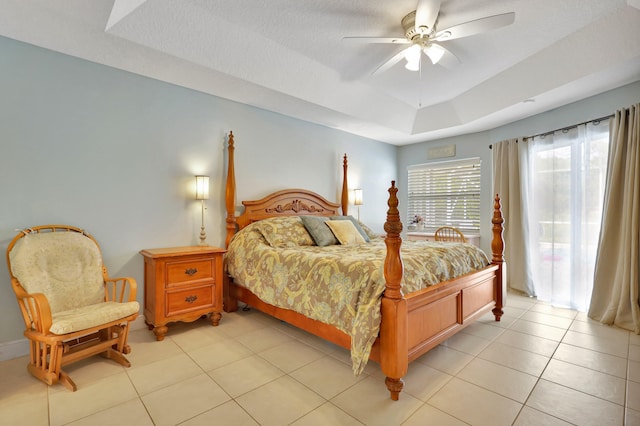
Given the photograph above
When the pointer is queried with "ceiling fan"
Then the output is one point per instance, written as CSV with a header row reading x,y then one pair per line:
x,y
423,36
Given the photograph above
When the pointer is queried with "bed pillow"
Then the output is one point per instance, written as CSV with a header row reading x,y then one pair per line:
x,y
369,231
345,231
285,232
319,230
355,223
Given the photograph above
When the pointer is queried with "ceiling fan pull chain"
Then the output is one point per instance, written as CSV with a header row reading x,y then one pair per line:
x,y
420,84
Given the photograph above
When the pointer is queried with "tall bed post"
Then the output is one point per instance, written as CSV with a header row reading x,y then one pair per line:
x,y
497,258
230,192
345,188
394,343
229,303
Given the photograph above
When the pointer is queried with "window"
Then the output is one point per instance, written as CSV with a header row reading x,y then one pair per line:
x,y
445,194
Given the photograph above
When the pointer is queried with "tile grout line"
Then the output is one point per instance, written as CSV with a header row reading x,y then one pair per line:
x,y
524,404
573,321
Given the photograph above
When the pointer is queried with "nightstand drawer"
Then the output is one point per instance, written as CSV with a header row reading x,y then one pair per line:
x,y
183,272
189,300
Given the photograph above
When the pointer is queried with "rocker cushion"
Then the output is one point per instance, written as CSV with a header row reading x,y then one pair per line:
x,y
64,266
90,316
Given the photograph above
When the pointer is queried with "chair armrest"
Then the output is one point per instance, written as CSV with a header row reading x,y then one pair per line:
x,y
117,289
36,313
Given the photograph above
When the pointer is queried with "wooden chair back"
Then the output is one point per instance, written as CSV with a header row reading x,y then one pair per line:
x,y
449,233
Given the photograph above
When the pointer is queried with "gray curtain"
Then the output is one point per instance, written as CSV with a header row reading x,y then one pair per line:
x,y
615,287
510,162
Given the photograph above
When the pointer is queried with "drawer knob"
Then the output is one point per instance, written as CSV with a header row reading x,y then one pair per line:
x,y
191,271
190,299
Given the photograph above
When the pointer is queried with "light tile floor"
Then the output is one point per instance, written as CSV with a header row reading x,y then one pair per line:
x,y
539,366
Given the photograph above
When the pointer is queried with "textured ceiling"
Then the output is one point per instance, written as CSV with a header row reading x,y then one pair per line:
x,y
288,56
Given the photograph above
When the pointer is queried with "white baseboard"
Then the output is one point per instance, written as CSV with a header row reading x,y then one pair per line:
x,y
14,349
18,348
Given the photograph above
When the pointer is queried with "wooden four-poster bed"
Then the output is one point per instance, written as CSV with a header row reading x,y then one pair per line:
x,y
410,323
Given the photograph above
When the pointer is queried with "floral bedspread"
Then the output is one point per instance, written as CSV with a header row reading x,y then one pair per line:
x,y
339,285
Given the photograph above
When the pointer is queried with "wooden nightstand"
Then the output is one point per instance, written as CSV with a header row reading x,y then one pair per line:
x,y
182,284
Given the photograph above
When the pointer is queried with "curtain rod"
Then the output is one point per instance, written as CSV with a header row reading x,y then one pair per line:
x,y
565,128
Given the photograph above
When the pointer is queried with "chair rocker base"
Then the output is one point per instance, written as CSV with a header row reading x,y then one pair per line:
x,y
105,342
51,378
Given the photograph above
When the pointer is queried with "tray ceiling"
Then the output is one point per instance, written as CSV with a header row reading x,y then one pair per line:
x,y
289,57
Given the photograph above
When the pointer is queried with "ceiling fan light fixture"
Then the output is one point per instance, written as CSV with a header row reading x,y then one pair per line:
x,y
434,52
412,55
413,66
421,34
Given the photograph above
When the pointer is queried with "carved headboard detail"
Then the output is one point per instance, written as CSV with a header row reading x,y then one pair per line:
x,y
295,206
288,202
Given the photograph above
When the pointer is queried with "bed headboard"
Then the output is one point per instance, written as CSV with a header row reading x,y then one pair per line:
x,y
287,202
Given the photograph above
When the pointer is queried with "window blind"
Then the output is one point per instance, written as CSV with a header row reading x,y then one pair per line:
x,y
445,193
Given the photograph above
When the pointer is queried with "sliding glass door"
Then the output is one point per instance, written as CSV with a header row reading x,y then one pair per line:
x,y
567,175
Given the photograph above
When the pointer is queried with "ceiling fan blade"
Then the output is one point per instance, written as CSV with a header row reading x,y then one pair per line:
x,y
426,15
391,61
390,40
475,27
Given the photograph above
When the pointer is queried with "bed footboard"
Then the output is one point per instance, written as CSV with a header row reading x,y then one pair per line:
x,y
443,310
414,324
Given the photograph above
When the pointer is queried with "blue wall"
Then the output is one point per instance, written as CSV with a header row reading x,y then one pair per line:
x,y
116,154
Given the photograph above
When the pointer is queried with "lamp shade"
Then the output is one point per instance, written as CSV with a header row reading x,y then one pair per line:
x,y
357,197
202,187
